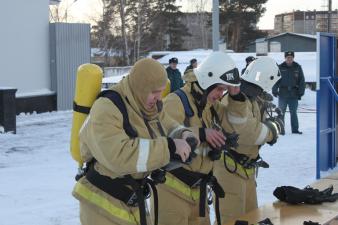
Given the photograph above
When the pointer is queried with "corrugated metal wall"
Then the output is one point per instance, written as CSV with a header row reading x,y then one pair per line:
x,y
69,48
290,43
295,43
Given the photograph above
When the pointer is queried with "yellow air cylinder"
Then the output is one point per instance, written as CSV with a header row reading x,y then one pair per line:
x,y
88,86
166,90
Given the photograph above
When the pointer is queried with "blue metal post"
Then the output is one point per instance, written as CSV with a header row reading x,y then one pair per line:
x,y
326,102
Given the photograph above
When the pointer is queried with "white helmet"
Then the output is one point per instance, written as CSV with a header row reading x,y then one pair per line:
x,y
262,72
217,68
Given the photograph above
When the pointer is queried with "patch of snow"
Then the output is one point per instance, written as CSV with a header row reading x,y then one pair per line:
x,y
39,92
7,88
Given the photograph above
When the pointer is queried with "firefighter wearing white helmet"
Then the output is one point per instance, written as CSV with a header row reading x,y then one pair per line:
x,y
218,68
263,72
236,171
182,198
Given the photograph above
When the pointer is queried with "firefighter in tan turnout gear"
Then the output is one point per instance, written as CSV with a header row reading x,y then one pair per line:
x,y
125,137
237,168
182,198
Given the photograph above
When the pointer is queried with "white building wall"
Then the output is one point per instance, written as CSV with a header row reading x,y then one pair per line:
x,y
24,45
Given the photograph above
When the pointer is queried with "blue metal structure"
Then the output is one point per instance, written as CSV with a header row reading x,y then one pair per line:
x,y
326,102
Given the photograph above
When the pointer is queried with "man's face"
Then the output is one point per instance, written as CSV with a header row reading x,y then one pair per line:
x,y
153,97
216,93
194,65
173,66
289,60
233,90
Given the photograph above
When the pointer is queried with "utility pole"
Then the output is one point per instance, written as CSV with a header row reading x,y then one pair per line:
x,y
329,17
215,25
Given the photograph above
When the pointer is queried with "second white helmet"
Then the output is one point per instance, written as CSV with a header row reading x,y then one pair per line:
x,y
263,72
217,68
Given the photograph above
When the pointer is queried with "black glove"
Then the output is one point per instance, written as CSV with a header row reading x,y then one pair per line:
x,y
266,221
273,127
215,154
307,195
193,145
299,97
310,223
175,159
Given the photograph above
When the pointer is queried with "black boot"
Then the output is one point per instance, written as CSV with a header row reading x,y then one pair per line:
x,y
297,132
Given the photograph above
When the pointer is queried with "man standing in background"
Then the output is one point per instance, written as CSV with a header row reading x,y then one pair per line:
x,y
290,88
248,60
174,75
192,65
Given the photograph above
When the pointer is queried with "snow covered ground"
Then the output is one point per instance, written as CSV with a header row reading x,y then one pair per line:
x,y
37,171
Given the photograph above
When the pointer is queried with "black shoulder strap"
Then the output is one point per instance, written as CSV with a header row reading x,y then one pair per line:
x,y
80,108
187,107
116,98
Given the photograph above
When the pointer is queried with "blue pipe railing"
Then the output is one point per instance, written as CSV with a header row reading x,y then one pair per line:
x,y
332,88
330,82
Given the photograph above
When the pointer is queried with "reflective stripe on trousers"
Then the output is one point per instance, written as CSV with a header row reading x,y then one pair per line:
x,y
105,204
176,184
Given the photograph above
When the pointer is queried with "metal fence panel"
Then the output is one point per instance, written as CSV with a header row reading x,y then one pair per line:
x,y
70,47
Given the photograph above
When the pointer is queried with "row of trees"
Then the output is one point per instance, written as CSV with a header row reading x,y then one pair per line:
x,y
131,28
238,19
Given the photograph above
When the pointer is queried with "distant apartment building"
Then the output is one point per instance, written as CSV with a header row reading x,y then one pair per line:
x,y
199,26
306,22
269,32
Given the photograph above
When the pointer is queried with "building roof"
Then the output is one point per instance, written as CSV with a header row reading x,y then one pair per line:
x,y
295,34
282,34
54,2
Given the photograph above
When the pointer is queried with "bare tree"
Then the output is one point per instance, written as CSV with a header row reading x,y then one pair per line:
x,y
59,13
142,23
124,32
138,34
240,18
203,21
129,28
199,23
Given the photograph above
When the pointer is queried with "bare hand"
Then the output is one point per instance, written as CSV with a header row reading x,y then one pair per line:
x,y
214,137
182,149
